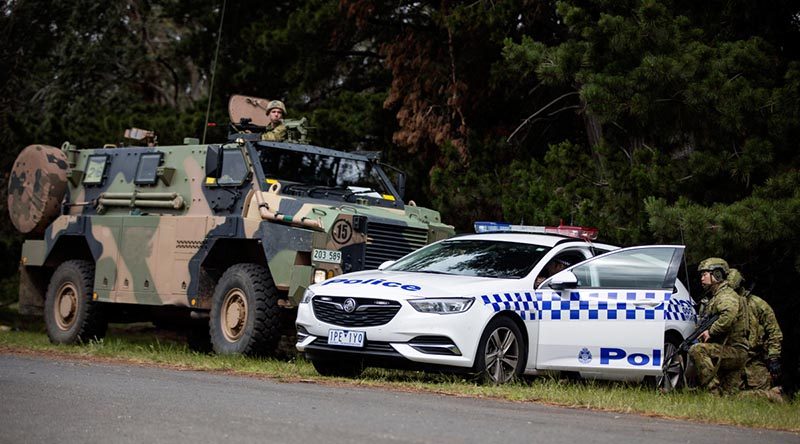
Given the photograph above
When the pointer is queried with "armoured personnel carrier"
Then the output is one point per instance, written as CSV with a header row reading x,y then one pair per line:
x,y
225,234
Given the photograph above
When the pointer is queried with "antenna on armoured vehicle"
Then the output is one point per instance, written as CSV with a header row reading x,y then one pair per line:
x,y
214,70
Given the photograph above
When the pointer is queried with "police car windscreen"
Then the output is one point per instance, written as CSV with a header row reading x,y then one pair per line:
x,y
320,170
483,258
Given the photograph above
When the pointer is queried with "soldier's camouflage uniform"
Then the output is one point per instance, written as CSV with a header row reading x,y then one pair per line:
x,y
720,361
765,338
274,133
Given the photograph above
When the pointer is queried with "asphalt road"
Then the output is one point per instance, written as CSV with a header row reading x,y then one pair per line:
x,y
44,400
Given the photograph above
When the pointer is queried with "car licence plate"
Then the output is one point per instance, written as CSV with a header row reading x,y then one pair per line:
x,y
349,338
329,256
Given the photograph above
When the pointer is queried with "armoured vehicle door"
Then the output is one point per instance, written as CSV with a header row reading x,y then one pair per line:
x,y
138,268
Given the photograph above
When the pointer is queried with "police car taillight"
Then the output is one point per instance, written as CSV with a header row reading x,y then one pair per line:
x,y
586,233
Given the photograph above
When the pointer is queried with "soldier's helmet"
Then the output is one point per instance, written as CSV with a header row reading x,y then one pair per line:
x,y
276,104
718,268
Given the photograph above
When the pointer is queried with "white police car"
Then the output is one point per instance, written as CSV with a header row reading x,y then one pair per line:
x,y
471,303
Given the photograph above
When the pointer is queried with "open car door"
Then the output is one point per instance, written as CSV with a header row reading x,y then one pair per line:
x,y
605,316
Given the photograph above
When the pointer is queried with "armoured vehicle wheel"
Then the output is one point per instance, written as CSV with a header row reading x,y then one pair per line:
x,y
346,369
70,314
245,317
674,372
501,352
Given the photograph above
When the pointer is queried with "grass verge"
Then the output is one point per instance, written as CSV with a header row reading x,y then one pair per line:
x,y
144,345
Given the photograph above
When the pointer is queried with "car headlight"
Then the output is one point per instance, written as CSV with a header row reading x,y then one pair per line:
x,y
307,296
442,305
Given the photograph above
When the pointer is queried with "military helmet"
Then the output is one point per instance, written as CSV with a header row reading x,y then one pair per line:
x,y
718,268
276,104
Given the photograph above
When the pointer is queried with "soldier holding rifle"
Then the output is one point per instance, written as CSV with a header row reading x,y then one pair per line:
x,y
720,356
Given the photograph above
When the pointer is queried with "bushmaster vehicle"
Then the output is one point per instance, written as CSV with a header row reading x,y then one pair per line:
x,y
225,234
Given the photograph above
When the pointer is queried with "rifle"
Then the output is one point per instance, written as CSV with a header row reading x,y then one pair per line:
x,y
704,325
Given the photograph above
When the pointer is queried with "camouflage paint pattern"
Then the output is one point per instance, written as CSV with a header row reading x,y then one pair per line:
x,y
36,187
160,232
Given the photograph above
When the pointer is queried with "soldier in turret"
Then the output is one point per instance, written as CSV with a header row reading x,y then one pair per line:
x,y
720,356
763,369
275,130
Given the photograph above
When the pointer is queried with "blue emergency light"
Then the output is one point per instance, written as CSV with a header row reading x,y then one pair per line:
x,y
586,233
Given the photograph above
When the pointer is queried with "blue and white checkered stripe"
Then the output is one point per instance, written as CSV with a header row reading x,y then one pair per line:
x,y
600,305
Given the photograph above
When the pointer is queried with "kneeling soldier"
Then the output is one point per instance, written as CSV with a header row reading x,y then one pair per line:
x,y
719,358
763,369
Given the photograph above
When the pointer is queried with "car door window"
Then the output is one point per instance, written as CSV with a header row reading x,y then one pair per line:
x,y
640,268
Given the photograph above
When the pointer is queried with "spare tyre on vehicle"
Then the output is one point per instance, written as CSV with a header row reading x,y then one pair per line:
x,y
36,187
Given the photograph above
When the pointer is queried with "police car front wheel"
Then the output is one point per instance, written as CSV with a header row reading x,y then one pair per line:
x,y
501,352
673,372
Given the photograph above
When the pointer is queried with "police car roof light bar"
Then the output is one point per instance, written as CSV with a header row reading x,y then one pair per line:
x,y
585,233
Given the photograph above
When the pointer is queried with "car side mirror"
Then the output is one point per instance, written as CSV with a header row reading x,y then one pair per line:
x,y
385,265
563,279
214,161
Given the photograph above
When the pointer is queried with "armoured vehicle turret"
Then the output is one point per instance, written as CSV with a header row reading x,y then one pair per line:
x,y
230,234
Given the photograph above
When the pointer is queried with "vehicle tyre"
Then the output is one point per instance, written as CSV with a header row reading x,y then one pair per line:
x,y
345,369
245,317
673,376
501,352
70,314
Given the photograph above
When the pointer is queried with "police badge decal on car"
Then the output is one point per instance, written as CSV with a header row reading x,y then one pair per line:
x,y
585,356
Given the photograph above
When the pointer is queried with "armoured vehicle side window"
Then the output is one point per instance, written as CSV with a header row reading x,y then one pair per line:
x,y
234,169
146,170
95,169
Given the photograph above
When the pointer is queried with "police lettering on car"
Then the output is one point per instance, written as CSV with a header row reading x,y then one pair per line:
x,y
383,282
